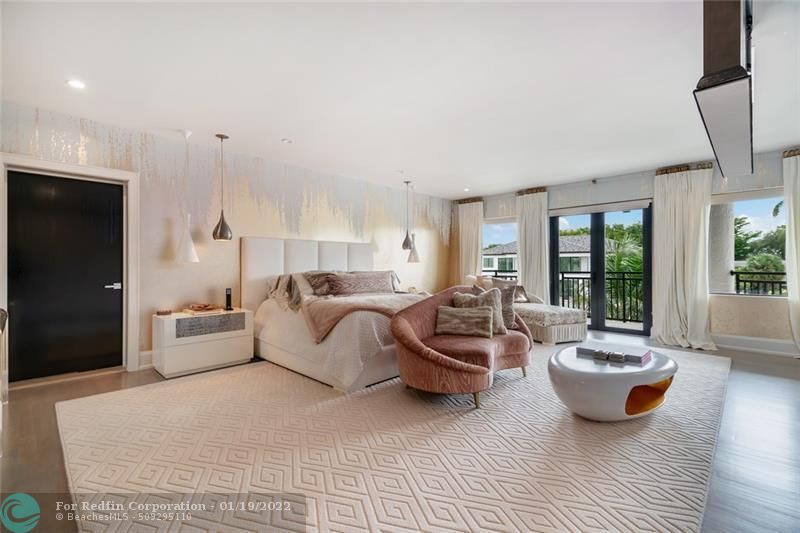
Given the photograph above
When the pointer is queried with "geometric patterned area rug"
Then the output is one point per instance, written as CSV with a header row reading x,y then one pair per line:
x,y
391,458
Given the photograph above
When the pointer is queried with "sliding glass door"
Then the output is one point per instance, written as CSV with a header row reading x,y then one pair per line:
x,y
601,264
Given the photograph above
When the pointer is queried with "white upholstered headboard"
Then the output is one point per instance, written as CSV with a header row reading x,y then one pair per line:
x,y
262,257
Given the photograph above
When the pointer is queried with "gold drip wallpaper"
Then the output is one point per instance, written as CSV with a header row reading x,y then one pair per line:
x,y
262,198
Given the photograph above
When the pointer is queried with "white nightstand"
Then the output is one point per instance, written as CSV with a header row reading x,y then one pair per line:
x,y
184,343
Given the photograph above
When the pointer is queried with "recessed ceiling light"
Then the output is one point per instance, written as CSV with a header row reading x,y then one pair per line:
x,y
466,189
76,84
286,141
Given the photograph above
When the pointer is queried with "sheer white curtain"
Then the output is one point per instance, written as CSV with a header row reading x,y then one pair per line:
x,y
470,239
533,238
680,259
791,203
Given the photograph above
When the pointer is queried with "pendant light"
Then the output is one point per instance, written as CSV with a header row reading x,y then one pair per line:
x,y
413,256
186,251
407,240
222,231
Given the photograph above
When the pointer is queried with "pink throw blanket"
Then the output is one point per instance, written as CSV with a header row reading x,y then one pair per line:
x,y
322,313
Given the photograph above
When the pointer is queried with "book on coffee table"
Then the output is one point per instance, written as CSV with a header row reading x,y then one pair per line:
x,y
615,353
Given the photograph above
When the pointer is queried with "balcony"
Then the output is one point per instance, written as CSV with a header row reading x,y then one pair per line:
x,y
759,283
624,294
501,274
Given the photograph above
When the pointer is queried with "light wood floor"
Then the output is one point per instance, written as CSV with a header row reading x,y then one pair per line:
x,y
755,484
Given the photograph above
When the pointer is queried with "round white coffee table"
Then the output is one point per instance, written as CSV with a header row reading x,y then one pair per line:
x,y
606,391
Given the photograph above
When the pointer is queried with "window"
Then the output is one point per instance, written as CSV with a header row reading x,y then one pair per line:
x,y
499,239
747,245
569,264
506,264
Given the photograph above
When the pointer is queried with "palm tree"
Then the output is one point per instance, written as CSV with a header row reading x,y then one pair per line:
x,y
777,209
622,254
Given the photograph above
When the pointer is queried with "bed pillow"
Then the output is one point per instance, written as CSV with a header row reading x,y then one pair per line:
x,y
395,278
490,298
471,321
345,284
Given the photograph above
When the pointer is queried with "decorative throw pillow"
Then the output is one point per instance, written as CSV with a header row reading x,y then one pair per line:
x,y
361,283
501,283
519,296
485,282
472,321
490,298
507,304
318,279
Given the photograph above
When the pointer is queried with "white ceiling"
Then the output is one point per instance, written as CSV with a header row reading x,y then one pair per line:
x,y
494,97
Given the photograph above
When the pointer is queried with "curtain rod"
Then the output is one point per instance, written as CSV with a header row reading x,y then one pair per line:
x,y
684,167
791,153
532,190
469,200
602,204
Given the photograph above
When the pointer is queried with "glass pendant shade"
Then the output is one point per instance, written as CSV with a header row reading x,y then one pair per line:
x,y
413,256
222,231
407,242
186,250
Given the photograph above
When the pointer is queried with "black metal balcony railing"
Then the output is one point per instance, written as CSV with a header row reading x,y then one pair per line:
x,y
502,274
765,283
624,292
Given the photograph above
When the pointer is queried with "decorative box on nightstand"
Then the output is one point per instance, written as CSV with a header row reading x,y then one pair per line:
x,y
184,343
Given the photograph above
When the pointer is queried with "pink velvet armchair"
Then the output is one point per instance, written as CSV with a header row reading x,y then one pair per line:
x,y
453,363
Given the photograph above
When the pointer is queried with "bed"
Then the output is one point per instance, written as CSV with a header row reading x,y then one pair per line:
x,y
359,351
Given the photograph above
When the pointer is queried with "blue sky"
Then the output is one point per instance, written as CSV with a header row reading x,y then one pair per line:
x,y
759,212
499,233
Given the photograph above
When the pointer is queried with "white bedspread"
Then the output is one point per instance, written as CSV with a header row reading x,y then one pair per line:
x,y
355,339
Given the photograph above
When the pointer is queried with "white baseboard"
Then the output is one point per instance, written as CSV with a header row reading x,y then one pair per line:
x,y
145,359
782,347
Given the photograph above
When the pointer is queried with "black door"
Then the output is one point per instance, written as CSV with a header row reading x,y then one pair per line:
x,y
65,239
602,264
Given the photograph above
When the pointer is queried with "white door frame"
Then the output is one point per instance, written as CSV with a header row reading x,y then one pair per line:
x,y
130,273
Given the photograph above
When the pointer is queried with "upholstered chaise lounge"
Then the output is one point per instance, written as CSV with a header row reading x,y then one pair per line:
x,y
551,324
453,363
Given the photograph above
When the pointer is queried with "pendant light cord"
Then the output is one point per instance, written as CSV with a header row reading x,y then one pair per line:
x,y
222,174
408,207
408,215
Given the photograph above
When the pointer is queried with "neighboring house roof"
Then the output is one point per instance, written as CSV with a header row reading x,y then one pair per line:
x,y
509,248
574,244
577,244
